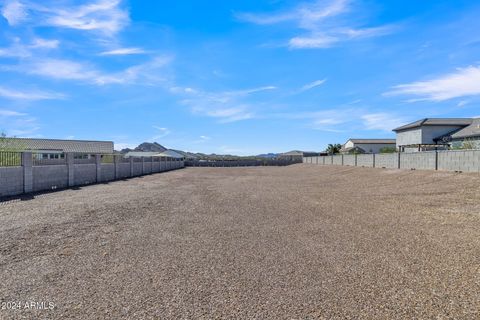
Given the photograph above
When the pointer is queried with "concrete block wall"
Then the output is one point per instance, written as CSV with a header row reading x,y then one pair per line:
x,y
147,167
123,170
365,160
349,160
137,168
155,166
29,178
464,160
337,160
451,160
50,177
84,174
418,160
107,172
387,160
11,181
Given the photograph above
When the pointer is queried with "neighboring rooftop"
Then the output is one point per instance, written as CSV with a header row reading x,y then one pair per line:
x,y
171,154
473,130
80,146
373,141
436,122
166,153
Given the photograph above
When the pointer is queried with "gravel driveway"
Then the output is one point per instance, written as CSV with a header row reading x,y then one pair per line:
x,y
297,242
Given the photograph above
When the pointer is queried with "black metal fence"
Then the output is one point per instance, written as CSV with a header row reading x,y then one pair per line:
x,y
10,159
240,163
42,159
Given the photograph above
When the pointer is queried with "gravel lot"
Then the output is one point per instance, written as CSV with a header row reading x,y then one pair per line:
x,y
298,242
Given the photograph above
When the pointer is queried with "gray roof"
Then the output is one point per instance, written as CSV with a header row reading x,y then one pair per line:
x,y
142,154
436,122
166,153
171,154
374,141
80,146
473,130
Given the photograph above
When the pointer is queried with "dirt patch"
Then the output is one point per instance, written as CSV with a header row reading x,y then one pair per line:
x,y
302,241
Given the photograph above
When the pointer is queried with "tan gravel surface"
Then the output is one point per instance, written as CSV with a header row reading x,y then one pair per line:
x,y
298,242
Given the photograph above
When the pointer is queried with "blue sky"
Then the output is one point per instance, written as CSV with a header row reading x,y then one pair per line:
x,y
241,77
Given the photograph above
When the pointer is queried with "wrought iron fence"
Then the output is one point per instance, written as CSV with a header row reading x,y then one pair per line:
x,y
84,158
108,158
10,159
46,159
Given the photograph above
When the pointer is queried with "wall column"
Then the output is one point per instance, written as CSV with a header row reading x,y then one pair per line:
x,y
70,167
98,163
143,166
374,160
131,166
399,157
27,164
116,166
356,159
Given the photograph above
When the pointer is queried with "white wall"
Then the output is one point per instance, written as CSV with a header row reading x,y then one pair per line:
x,y
374,147
407,137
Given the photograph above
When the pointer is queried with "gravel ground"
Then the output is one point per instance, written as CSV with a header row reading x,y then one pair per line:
x,y
297,242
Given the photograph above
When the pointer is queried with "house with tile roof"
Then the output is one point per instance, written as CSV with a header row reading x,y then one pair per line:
x,y
55,148
367,145
438,134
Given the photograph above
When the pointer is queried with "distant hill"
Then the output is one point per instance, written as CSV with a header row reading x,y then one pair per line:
x,y
267,155
146,147
156,147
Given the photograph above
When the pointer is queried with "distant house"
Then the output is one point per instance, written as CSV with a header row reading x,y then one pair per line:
x,y
437,133
297,155
166,153
367,145
470,134
54,148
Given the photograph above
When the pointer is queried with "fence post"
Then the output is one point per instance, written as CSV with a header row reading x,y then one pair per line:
x,y
342,159
399,157
131,166
98,163
331,159
27,164
436,159
116,166
71,168
374,160
356,159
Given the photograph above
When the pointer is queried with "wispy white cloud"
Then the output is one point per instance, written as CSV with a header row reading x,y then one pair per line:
x,y
162,132
29,95
463,82
14,11
20,50
382,121
18,124
313,84
347,119
318,20
104,16
123,51
147,73
227,106
11,113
